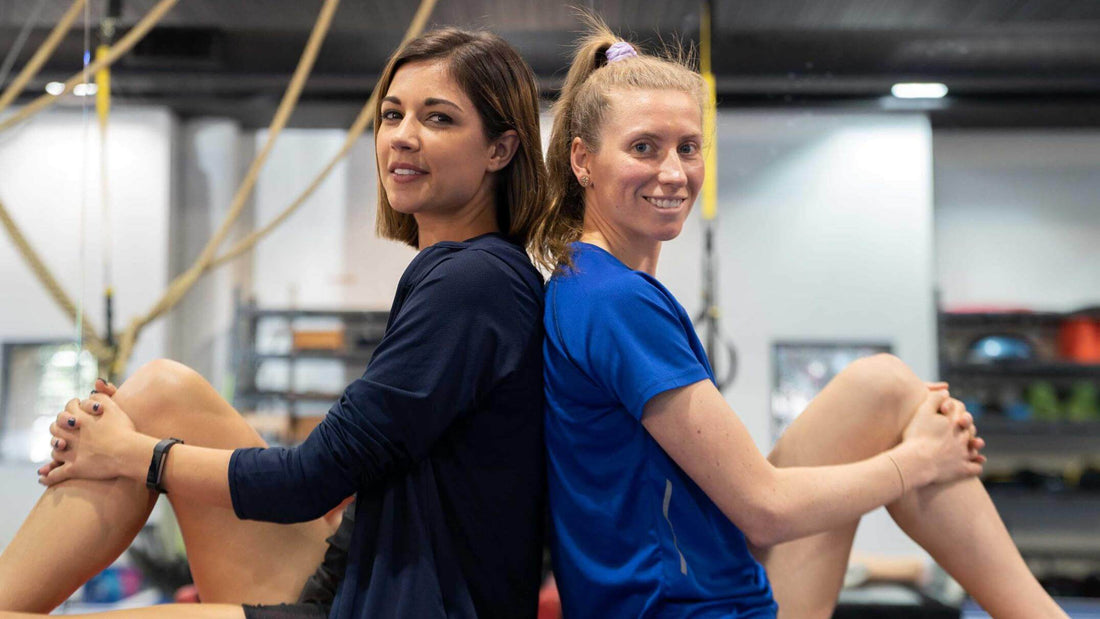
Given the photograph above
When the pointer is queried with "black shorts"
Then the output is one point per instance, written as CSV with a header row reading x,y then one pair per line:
x,y
285,611
317,595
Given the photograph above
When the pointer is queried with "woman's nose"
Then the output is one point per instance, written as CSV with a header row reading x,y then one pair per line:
x,y
672,170
405,136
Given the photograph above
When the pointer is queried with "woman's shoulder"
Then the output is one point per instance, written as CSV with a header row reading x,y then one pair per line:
x,y
480,272
603,281
606,296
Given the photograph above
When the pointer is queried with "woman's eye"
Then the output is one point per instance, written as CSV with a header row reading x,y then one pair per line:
x,y
437,117
689,149
391,115
642,148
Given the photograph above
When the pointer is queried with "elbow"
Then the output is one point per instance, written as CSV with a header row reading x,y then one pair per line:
x,y
766,525
762,534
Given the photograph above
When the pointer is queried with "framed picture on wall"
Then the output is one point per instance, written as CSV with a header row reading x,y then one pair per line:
x,y
38,379
802,369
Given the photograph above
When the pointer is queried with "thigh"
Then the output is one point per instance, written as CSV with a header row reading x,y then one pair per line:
x,y
232,560
163,611
860,413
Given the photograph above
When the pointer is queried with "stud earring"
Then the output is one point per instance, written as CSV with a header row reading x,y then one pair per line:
x,y
585,181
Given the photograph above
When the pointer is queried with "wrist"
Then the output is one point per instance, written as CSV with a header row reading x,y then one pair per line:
x,y
912,465
136,456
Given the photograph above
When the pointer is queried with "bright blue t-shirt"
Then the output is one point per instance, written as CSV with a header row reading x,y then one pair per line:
x,y
633,535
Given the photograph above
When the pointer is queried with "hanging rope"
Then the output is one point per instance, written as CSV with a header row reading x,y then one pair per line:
x,y
116,358
362,121
82,225
91,340
124,45
20,41
103,113
183,282
41,55
709,318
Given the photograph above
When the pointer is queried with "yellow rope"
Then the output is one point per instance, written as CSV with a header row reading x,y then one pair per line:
x,y
710,119
41,55
117,50
365,118
183,282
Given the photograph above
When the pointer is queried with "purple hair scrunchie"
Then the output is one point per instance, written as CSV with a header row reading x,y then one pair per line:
x,y
619,51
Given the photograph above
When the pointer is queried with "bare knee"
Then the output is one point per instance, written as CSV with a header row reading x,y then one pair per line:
x,y
152,394
893,387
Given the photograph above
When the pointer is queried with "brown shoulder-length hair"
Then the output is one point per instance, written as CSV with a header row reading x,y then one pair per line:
x,y
502,88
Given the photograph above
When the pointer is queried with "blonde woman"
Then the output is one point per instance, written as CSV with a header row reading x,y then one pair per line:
x,y
661,504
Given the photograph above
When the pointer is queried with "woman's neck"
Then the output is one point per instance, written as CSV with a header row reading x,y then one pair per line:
x,y
466,223
639,256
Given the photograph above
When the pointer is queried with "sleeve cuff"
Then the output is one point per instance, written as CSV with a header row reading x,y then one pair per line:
x,y
664,384
234,492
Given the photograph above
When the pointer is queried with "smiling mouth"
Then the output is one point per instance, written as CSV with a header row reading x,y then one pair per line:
x,y
403,174
665,202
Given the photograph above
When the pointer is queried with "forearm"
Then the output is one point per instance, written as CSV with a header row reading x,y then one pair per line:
x,y
193,473
803,501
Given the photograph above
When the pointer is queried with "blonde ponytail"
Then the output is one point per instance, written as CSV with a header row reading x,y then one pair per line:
x,y
579,112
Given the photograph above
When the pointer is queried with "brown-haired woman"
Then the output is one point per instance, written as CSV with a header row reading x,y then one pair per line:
x,y
440,440
656,488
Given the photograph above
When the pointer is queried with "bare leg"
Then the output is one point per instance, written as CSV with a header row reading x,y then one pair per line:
x,y
166,611
862,412
79,527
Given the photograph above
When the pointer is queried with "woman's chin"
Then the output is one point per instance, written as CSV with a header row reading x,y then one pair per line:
x,y
406,207
669,233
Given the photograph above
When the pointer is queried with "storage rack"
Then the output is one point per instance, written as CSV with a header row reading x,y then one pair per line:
x,y
1051,519
362,332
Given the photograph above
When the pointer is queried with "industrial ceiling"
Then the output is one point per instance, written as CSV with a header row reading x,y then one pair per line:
x,y
1007,63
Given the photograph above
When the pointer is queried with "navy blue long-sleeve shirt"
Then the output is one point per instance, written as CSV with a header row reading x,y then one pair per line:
x,y
442,440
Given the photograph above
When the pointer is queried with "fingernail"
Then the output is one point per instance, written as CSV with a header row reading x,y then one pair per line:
x,y
72,422
102,380
95,406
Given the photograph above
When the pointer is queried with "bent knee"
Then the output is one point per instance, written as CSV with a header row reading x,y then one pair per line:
x,y
154,387
164,376
886,379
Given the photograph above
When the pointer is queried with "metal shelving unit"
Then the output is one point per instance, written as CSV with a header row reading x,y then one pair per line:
x,y
1050,523
362,331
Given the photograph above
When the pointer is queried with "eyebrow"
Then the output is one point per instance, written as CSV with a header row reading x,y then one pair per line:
x,y
430,101
654,136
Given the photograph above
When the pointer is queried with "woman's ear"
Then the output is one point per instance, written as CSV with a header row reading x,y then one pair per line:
x,y
502,150
578,158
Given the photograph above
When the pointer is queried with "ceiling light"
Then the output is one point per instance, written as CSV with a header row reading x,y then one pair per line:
x,y
85,90
919,91
55,88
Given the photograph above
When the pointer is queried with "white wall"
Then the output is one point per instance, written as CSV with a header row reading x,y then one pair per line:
x,y
1017,218
373,265
211,155
47,167
301,264
825,233
42,182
